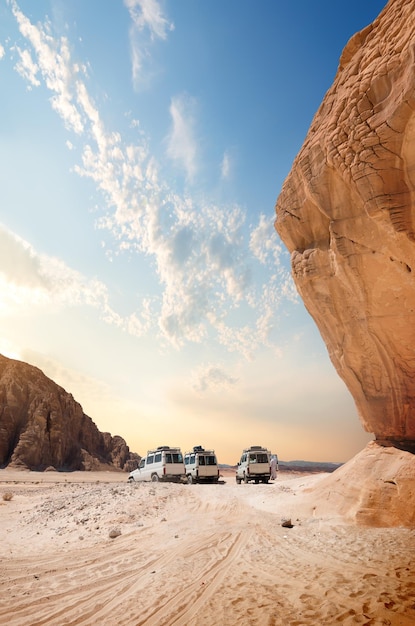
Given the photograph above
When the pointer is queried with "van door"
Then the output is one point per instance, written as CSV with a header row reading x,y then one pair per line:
x,y
174,464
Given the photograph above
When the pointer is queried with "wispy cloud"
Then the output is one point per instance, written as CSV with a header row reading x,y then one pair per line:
x,y
209,263
18,262
148,14
148,25
53,65
212,378
225,169
264,243
181,141
27,68
32,280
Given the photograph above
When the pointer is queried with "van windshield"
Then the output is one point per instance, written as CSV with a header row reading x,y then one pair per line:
x,y
174,457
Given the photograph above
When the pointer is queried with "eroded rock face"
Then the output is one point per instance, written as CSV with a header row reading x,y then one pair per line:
x,y
41,426
347,214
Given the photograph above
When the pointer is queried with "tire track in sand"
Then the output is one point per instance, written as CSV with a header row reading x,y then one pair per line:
x,y
187,603
115,590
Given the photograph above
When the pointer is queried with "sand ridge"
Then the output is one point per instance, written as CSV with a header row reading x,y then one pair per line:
x,y
193,554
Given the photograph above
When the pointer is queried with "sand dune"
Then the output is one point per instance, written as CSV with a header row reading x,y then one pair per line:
x,y
193,554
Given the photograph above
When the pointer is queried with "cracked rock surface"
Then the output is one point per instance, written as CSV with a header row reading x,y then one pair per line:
x,y
346,212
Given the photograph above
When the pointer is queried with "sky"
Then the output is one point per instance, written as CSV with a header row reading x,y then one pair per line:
x,y
143,145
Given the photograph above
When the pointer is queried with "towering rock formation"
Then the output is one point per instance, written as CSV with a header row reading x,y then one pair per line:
x,y
347,214
41,426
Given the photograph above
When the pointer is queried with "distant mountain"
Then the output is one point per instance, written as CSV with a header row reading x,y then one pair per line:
x,y
299,466
42,426
309,466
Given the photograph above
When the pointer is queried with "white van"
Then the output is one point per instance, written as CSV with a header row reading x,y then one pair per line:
x,y
255,465
201,466
164,463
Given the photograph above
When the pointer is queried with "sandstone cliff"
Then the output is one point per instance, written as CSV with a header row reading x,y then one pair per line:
x,y
41,425
347,214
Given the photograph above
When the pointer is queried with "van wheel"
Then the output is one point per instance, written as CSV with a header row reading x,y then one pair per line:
x,y
245,479
238,480
190,479
154,478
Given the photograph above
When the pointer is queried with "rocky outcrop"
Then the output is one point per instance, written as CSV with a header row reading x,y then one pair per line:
x,y
375,488
42,426
347,214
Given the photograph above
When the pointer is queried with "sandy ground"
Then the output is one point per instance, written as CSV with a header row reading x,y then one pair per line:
x,y
213,555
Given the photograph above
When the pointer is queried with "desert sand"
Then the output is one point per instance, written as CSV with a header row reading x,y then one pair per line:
x,y
89,548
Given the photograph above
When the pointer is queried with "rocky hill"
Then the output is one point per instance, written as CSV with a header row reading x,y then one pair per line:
x,y
42,426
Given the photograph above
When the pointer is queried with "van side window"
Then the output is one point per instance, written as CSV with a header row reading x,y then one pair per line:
x,y
150,459
157,458
142,463
192,458
201,460
210,460
187,459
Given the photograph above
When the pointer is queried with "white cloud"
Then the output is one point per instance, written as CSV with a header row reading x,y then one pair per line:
x,y
2,52
226,166
204,283
148,14
148,25
264,242
18,262
181,141
206,262
29,279
26,67
212,378
53,63
39,280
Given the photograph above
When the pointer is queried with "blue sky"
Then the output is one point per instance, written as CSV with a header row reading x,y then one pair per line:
x,y
143,145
